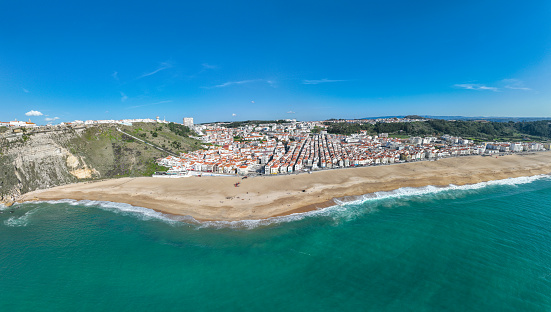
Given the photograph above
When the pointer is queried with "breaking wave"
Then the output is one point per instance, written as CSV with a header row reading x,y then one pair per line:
x,y
144,214
433,190
20,221
349,208
344,208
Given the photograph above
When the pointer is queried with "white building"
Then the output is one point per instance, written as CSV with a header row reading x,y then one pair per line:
x,y
536,146
188,122
158,120
516,147
17,123
416,140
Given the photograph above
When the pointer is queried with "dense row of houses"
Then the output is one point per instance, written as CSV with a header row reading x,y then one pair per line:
x,y
16,123
127,122
230,158
287,148
333,151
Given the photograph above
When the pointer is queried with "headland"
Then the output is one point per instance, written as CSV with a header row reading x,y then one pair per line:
x,y
217,198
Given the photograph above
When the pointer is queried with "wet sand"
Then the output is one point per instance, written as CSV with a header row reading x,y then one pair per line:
x,y
216,198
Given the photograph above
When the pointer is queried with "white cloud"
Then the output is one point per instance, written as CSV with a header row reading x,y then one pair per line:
x,y
25,90
115,75
518,88
318,81
163,66
240,82
33,113
229,83
123,97
208,66
290,112
515,84
475,86
234,114
51,119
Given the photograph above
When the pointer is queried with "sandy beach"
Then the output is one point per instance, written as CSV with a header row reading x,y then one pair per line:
x,y
216,198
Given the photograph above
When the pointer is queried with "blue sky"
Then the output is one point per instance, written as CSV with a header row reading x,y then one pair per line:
x,y
238,60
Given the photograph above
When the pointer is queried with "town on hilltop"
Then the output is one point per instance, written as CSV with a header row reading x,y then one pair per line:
x,y
290,146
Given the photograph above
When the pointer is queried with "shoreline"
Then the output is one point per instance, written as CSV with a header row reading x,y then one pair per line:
x,y
216,198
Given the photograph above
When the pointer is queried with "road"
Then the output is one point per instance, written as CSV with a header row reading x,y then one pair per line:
x,y
135,138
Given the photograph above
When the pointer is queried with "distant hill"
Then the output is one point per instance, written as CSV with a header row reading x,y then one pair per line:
x,y
487,130
414,117
497,119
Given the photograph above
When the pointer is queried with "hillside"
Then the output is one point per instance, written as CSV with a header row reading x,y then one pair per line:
x,y
40,159
477,130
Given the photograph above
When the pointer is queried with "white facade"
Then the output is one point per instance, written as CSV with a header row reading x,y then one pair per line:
x,y
516,147
17,123
188,122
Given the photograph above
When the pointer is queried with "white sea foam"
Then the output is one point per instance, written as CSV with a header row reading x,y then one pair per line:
x,y
142,213
332,211
20,221
13,222
431,189
344,209
146,214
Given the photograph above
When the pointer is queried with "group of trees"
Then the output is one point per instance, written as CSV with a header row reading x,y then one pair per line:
x,y
176,145
237,124
180,130
349,128
539,128
471,129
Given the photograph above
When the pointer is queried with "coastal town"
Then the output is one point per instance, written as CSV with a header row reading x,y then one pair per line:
x,y
291,146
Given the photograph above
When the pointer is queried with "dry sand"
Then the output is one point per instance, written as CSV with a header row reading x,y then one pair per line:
x,y
216,198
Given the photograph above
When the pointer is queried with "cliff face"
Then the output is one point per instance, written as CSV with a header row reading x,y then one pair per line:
x,y
40,160
37,162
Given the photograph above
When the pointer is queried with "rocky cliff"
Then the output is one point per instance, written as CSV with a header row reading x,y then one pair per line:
x,y
41,159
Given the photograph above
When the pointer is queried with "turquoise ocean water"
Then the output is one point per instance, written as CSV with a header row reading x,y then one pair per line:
x,y
485,247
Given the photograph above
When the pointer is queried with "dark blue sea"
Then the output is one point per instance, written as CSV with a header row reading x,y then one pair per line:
x,y
484,247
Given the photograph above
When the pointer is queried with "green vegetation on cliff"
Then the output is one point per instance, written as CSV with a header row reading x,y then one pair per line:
x,y
237,124
180,130
536,130
115,154
41,159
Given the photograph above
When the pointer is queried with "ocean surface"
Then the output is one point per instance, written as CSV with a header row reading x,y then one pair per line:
x,y
484,247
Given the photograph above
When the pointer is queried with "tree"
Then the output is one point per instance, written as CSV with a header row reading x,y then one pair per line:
x,y
316,129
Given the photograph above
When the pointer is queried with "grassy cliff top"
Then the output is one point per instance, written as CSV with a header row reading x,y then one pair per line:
x,y
115,154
